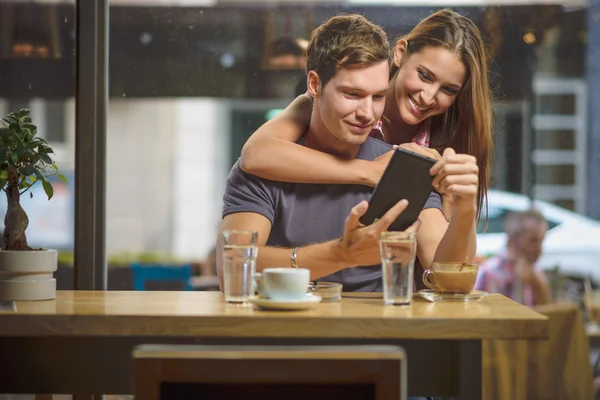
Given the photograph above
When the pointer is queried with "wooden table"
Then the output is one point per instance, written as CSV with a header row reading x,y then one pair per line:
x,y
81,342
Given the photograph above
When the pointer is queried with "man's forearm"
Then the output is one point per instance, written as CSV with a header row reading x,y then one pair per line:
x,y
321,259
460,240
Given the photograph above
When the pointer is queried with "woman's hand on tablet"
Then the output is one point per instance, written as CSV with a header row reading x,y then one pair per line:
x,y
457,175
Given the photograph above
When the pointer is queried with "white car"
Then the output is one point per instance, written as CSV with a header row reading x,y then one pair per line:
x,y
572,242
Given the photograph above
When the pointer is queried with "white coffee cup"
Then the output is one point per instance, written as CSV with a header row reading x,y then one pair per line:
x,y
285,284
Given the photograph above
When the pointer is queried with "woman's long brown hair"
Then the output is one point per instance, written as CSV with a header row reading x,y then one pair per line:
x,y
467,125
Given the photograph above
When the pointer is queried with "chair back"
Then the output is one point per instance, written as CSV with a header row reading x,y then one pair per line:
x,y
168,372
145,273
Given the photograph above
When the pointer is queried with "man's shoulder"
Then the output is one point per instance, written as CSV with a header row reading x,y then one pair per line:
x,y
248,193
373,148
236,169
237,176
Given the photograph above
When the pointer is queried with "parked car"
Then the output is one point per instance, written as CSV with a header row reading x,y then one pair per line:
x,y
572,242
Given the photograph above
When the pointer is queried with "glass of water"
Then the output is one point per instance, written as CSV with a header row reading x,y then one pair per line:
x,y
398,251
239,265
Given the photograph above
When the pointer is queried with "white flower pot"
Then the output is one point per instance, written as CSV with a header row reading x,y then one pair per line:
x,y
27,275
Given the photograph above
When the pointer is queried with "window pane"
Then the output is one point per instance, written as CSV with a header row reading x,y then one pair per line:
x,y
37,71
190,82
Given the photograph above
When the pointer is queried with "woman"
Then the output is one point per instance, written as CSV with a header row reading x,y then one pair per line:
x,y
438,98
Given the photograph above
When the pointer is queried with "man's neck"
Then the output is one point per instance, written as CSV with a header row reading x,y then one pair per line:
x,y
318,137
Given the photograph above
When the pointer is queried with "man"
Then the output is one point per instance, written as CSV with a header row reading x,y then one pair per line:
x,y
317,226
513,272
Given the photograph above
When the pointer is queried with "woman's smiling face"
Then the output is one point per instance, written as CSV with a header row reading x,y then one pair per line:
x,y
427,82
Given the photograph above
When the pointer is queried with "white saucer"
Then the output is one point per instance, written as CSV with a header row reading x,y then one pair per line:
x,y
294,305
431,295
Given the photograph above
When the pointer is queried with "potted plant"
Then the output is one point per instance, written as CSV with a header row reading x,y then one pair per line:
x,y
25,273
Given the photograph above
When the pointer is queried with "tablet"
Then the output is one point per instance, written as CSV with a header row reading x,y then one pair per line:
x,y
405,177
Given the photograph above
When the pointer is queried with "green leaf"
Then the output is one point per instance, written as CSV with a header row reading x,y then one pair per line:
x,y
14,157
2,182
32,178
54,167
42,146
32,159
44,157
28,170
27,135
48,189
62,178
14,127
25,185
8,140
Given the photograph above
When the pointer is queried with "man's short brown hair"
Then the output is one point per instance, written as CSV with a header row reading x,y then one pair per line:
x,y
343,41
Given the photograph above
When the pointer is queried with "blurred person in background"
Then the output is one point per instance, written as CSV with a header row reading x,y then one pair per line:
x,y
513,272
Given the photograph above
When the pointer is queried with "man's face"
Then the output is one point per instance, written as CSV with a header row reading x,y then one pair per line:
x,y
352,102
529,242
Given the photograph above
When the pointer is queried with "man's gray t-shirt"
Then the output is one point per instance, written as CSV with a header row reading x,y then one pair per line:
x,y
303,214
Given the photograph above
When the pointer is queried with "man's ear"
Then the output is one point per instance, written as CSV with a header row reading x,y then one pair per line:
x,y
400,52
313,84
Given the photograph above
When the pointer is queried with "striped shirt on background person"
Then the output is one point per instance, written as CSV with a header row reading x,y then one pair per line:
x,y
496,275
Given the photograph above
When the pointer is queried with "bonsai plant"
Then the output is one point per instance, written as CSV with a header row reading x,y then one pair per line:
x,y
25,273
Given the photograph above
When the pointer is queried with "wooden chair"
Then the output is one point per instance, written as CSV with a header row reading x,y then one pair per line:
x,y
183,372
143,274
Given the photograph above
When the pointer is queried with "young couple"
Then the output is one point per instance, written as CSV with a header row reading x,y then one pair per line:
x,y
304,177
